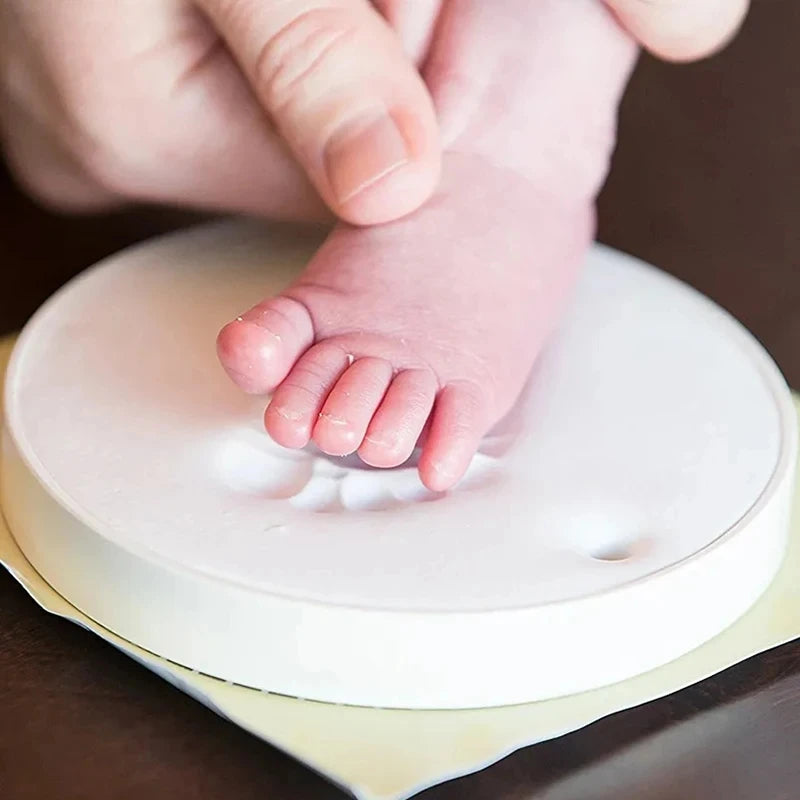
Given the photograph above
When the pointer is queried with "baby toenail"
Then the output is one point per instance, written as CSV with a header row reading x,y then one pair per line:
x,y
389,443
332,419
271,333
287,413
350,359
442,469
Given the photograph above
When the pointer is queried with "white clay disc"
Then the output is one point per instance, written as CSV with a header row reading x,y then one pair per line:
x,y
633,505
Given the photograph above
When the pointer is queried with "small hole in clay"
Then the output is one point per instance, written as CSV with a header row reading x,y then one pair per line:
x,y
612,553
606,534
620,549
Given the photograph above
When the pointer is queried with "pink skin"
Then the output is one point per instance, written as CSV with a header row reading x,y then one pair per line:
x,y
433,322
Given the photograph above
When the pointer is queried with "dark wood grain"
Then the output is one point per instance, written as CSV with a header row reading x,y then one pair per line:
x,y
706,183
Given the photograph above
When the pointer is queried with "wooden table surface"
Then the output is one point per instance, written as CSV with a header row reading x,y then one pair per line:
x,y
706,184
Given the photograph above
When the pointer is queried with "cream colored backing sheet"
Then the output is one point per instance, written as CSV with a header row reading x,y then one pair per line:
x,y
379,754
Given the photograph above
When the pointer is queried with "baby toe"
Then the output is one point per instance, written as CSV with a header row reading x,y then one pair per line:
x,y
397,424
259,348
347,412
297,402
460,419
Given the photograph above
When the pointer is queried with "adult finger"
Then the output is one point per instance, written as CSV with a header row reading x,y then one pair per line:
x,y
351,106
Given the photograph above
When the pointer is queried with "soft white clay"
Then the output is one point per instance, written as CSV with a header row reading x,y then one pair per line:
x,y
632,506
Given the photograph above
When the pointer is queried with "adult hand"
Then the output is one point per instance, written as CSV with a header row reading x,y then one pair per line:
x,y
262,106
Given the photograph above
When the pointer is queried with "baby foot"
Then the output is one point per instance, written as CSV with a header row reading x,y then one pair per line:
x,y
438,316
431,324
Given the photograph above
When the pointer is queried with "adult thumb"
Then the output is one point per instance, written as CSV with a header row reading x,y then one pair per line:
x,y
334,80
